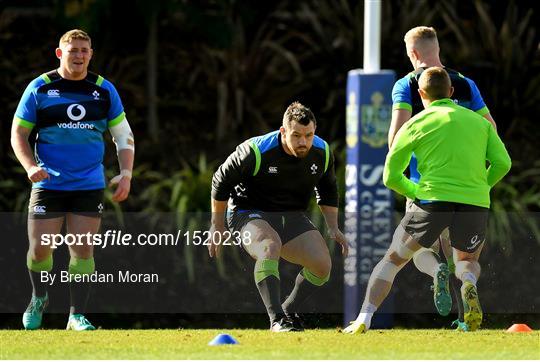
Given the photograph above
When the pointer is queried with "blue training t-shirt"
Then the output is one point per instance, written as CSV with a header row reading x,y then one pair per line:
x,y
70,118
466,94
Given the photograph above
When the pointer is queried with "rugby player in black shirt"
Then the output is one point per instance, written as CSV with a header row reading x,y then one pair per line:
x,y
267,183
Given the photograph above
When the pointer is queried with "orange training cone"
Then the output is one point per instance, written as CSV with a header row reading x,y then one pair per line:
x,y
519,328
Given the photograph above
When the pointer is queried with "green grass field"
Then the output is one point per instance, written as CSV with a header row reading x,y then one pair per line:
x,y
259,344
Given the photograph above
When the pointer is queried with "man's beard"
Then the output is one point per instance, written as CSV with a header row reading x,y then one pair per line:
x,y
301,152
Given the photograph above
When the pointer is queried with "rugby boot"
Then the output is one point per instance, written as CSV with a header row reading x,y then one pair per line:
x,y
471,306
77,322
460,326
356,327
441,290
33,315
283,325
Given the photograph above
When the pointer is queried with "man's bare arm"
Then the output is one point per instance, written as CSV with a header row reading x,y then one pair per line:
x,y
23,152
331,217
217,227
399,117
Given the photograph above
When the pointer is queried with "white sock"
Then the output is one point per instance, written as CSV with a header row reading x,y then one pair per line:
x,y
468,277
426,261
366,314
365,318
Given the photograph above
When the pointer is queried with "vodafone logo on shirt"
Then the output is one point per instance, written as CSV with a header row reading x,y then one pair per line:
x,y
75,125
76,112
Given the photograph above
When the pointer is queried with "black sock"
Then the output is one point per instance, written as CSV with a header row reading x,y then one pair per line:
x,y
78,293
455,284
302,290
39,288
269,289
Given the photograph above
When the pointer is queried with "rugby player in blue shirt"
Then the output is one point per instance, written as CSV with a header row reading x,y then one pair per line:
x,y
69,109
423,49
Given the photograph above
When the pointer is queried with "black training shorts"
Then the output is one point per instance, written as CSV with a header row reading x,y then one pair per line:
x,y
467,224
288,225
47,204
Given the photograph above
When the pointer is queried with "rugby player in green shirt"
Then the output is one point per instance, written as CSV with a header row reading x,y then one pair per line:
x,y
452,145
423,50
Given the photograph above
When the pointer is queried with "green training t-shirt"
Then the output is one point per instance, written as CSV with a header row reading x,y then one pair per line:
x,y
452,144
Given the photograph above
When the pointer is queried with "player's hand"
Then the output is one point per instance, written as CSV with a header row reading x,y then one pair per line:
x,y
337,235
216,238
123,186
36,174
